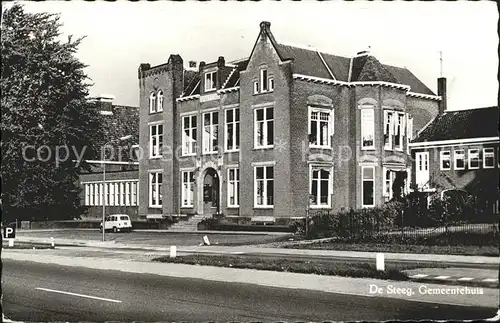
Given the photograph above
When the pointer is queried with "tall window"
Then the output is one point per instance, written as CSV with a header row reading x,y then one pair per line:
x,y
264,80
264,128
488,157
187,193
159,106
91,201
409,132
233,186
107,189
87,194
155,140
422,169
111,193
320,183
155,192
189,135
96,194
122,193
264,186
367,128
152,102
127,193
399,131
101,194
445,160
473,158
320,127
388,129
271,84
210,132
389,177
368,185
117,194
210,81
459,159
232,129
133,200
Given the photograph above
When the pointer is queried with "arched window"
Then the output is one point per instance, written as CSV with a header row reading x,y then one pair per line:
x,y
152,102
160,101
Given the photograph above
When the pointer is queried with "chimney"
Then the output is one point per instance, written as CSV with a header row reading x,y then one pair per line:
x,y
442,106
192,66
200,66
265,28
104,104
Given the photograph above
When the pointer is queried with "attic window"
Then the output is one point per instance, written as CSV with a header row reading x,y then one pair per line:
x,y
210,81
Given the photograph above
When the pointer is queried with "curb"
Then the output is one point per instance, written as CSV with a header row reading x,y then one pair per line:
x,y
456,280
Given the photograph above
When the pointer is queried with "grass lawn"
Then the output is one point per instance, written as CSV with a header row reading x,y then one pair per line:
x,y
393,272
491,251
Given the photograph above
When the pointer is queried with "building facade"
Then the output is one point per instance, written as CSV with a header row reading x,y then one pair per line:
x,y
284,130
121,186
459,150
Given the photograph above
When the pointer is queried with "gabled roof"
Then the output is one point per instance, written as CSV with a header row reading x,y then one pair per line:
x,y
462,124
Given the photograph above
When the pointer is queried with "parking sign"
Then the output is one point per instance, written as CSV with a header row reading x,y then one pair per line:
x,y
9,232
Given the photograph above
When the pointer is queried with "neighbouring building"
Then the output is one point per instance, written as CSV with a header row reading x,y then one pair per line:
x,y
459,150
284,130
122,171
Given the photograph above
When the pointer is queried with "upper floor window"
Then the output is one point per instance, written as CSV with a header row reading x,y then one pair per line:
x,y
264,128
473,158
320,127
155,140
399,127
445,160
367,129
189,135
210,132
152,102
409,132
159,107
210,81
388,129
232,129
488,157
459,159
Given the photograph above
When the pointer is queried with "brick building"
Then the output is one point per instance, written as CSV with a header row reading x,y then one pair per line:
x,y
122,173
458,150
283,130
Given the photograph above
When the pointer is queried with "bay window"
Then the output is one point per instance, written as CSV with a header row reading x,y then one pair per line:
x,y
368,186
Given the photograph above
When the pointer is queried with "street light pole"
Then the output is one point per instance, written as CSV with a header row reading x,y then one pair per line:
x,y
104,191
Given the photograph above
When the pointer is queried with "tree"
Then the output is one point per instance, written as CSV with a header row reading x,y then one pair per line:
x,y
44,112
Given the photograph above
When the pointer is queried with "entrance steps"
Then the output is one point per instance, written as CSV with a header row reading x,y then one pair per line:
x,y
191,224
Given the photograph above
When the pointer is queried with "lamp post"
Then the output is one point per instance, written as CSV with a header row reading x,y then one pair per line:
x,y
104,191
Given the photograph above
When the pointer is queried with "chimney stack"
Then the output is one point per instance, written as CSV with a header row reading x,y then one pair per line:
x,y
442,106
104,104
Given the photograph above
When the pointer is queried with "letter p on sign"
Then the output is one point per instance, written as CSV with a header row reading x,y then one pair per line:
x,y
9,232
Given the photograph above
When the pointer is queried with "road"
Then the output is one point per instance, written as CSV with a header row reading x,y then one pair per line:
x,y
48,292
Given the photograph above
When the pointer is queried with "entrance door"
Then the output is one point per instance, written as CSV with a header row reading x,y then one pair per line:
x,y
211,192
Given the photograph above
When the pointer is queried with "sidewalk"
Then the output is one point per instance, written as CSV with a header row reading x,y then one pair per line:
x,y
413,291
493,261
270,233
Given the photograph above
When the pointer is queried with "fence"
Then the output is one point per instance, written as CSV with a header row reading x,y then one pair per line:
x,y
370,227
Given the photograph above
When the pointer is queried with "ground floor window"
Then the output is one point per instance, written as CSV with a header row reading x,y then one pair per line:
x,y
187,193
155,192
115,193
320,180
233,186
264,186
368,185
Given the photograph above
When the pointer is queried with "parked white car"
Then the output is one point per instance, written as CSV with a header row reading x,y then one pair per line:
x,y
117,223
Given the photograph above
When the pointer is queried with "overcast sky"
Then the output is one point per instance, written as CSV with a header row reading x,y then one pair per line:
x,y
121,35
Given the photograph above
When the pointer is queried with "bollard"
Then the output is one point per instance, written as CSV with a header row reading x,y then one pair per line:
x,y
173,251
11,242
380,262
206,242
52,241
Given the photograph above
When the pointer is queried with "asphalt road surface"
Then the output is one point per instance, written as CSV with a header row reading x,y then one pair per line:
x,y
42,292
